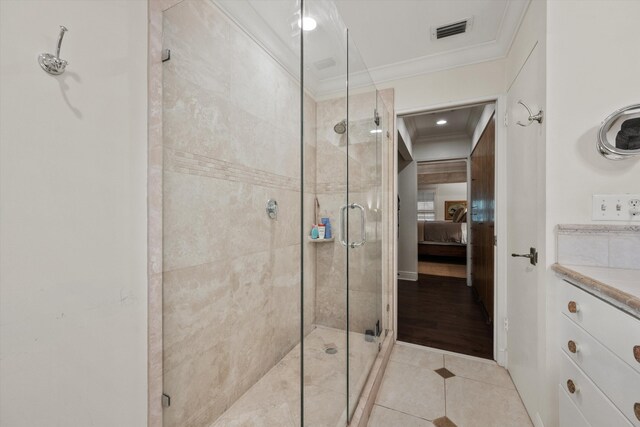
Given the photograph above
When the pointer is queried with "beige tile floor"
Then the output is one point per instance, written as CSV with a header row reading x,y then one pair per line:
x,y
475,393
274,401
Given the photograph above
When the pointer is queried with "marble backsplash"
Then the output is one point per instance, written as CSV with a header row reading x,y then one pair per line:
x,y
613,246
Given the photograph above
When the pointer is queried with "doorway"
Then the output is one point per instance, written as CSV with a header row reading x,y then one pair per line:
x,y
446,186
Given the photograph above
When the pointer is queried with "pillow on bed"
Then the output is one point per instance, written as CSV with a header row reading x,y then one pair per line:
x,y
460,215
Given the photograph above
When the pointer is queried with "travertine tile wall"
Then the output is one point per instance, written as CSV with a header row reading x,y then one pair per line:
x,y
231,275
614,246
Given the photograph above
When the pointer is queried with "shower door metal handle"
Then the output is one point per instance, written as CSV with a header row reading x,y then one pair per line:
x,y
363,235
343,221
342,225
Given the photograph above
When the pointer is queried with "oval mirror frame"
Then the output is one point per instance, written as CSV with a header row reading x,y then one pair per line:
x,y
610,128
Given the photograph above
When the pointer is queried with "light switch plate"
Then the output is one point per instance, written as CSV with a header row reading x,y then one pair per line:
x,y
616,207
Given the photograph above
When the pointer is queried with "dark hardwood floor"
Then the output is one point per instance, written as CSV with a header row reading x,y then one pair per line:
x,y
442,312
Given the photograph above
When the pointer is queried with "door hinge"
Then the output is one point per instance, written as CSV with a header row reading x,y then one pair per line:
x,y
166,55
506,120
495,240
166,400
506,324
379,346
388,308
376,117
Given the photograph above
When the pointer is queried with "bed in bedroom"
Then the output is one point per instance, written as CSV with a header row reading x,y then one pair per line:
x,y
442,238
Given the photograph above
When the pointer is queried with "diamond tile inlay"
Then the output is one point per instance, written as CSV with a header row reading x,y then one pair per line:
x,y
444,421
445,373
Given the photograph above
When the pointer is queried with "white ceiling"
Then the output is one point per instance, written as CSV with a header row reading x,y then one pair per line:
x,y
393,37
460,122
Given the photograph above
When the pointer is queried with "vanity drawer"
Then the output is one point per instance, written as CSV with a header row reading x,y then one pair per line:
x,y
617,380
617,330
570,416
594,405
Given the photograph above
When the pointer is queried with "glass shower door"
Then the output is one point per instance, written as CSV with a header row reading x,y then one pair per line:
x,y
363,209
325,127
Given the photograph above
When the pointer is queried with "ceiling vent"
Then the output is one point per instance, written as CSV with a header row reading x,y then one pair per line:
x,y
324,63
452,29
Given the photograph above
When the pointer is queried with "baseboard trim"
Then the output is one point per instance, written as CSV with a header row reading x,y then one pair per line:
x,y
408,275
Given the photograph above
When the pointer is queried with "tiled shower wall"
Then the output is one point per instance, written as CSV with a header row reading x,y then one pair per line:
x,y
230,274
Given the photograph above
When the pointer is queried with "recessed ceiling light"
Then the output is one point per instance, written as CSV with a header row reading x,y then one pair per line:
x,y
307,23
376,131
441,122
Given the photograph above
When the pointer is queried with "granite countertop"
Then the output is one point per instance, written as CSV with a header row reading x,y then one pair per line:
x,y
620,287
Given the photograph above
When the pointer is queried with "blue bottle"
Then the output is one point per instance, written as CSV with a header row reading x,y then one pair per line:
x,y
327,229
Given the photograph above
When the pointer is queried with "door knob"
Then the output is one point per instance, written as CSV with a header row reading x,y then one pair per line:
x,y
532,255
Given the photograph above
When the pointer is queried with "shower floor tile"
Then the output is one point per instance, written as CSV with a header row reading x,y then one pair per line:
x,y
275,399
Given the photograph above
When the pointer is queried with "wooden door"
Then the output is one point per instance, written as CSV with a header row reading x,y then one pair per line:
x,y
483,216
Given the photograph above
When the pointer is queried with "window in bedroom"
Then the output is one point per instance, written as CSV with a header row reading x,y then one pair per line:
x,y
426,205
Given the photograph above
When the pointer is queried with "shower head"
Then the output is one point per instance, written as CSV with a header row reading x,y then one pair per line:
x,y
340,127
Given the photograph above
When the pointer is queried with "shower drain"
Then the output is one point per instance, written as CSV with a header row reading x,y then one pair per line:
x,y
330,349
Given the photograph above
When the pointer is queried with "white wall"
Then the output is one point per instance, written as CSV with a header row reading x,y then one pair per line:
x,y
456,147
591,74
405,145
448,86
449,191
408,226
73,215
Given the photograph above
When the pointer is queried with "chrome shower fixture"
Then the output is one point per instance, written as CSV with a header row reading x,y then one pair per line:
x,y
340,127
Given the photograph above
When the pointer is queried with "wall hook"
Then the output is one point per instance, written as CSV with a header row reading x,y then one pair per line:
x,y
52,64
532,117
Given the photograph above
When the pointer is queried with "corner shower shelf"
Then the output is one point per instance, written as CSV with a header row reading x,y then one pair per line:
x,y
320,240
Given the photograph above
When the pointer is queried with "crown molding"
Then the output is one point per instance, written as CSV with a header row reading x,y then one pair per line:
x,y
478,53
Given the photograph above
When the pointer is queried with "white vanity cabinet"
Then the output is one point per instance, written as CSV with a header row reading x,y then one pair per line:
x,y
599,362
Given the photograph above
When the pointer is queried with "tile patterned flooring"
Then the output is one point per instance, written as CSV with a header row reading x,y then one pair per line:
x,y
426,388
274,401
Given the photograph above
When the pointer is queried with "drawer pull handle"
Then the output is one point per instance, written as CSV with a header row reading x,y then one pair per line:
x,y
573,347
571,386
573,307
636,353
636,410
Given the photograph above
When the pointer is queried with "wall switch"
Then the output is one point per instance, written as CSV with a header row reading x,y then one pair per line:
x,y
616,207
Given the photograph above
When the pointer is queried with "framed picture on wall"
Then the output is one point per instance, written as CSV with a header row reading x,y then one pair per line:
x,y
450,206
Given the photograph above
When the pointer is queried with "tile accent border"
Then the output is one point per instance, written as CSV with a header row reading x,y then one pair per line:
x,y
596,228
197,164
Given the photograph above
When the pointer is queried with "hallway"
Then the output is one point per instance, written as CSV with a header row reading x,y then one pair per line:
x,y
442,312
423,388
